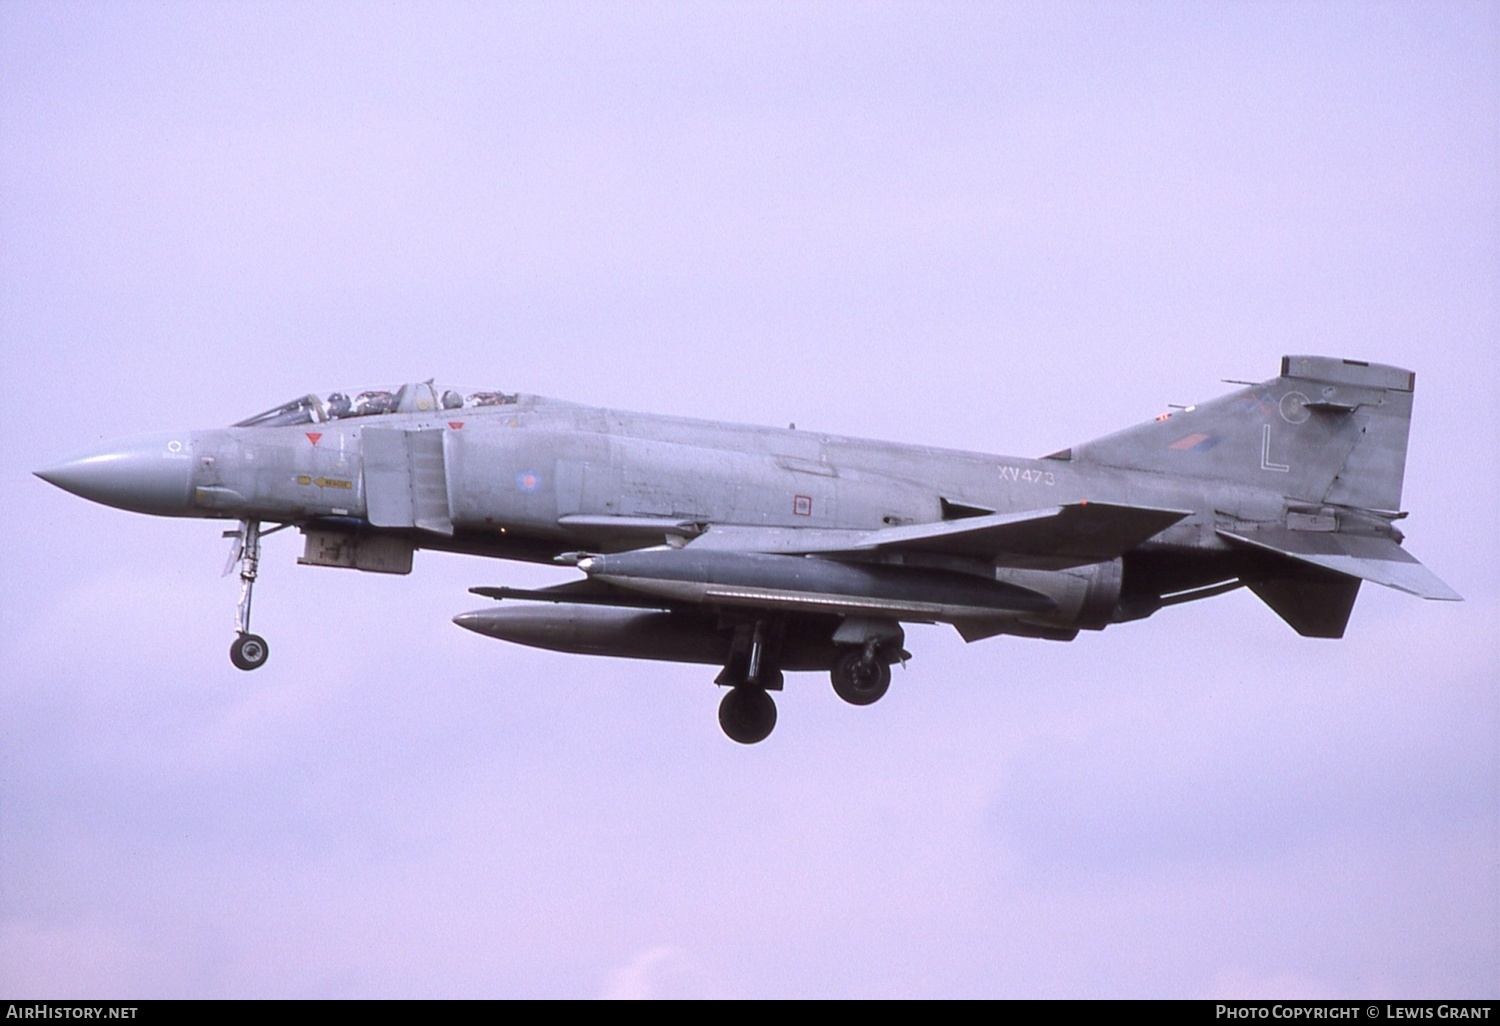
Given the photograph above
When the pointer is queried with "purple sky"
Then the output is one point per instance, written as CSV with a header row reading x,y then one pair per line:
x,y
997,227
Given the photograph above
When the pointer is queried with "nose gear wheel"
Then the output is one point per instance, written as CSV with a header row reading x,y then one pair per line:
x,y
249,652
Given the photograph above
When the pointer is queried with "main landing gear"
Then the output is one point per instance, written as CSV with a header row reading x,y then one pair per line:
x,y
249,651
861,673
748,713
860,677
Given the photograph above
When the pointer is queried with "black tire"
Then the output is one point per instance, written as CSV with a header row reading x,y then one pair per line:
x,y
748,715
858,682
249,652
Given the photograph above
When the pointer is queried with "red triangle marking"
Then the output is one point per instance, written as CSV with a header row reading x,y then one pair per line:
x,y
455,424
313,436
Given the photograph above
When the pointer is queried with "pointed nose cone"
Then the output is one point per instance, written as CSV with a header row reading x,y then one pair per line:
x,y
148,474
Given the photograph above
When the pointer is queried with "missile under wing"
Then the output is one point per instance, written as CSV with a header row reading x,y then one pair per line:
x,y
765,551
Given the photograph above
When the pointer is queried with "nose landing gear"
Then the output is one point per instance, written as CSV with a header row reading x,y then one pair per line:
x,y
249,651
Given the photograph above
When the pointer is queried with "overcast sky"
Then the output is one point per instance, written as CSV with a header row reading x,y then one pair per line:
x,y
1002,227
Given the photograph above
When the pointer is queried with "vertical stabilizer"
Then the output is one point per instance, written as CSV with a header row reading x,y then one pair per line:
x,y
1325,430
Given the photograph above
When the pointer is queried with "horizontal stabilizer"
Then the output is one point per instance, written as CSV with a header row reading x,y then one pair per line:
x,y
1370,558
1049,539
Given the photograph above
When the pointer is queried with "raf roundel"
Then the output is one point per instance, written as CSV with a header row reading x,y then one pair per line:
x,y
528,481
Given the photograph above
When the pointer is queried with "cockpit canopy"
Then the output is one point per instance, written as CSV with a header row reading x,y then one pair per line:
x,y
421,397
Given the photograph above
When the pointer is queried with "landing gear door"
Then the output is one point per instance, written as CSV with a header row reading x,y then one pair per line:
x,y
406,480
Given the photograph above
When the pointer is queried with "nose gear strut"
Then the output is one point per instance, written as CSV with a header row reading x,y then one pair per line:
x,y
249,651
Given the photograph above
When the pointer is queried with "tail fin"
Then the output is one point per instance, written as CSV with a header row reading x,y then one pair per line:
x,y
1325,431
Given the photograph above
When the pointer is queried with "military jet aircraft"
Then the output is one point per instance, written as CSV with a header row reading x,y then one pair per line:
x,y
765,550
